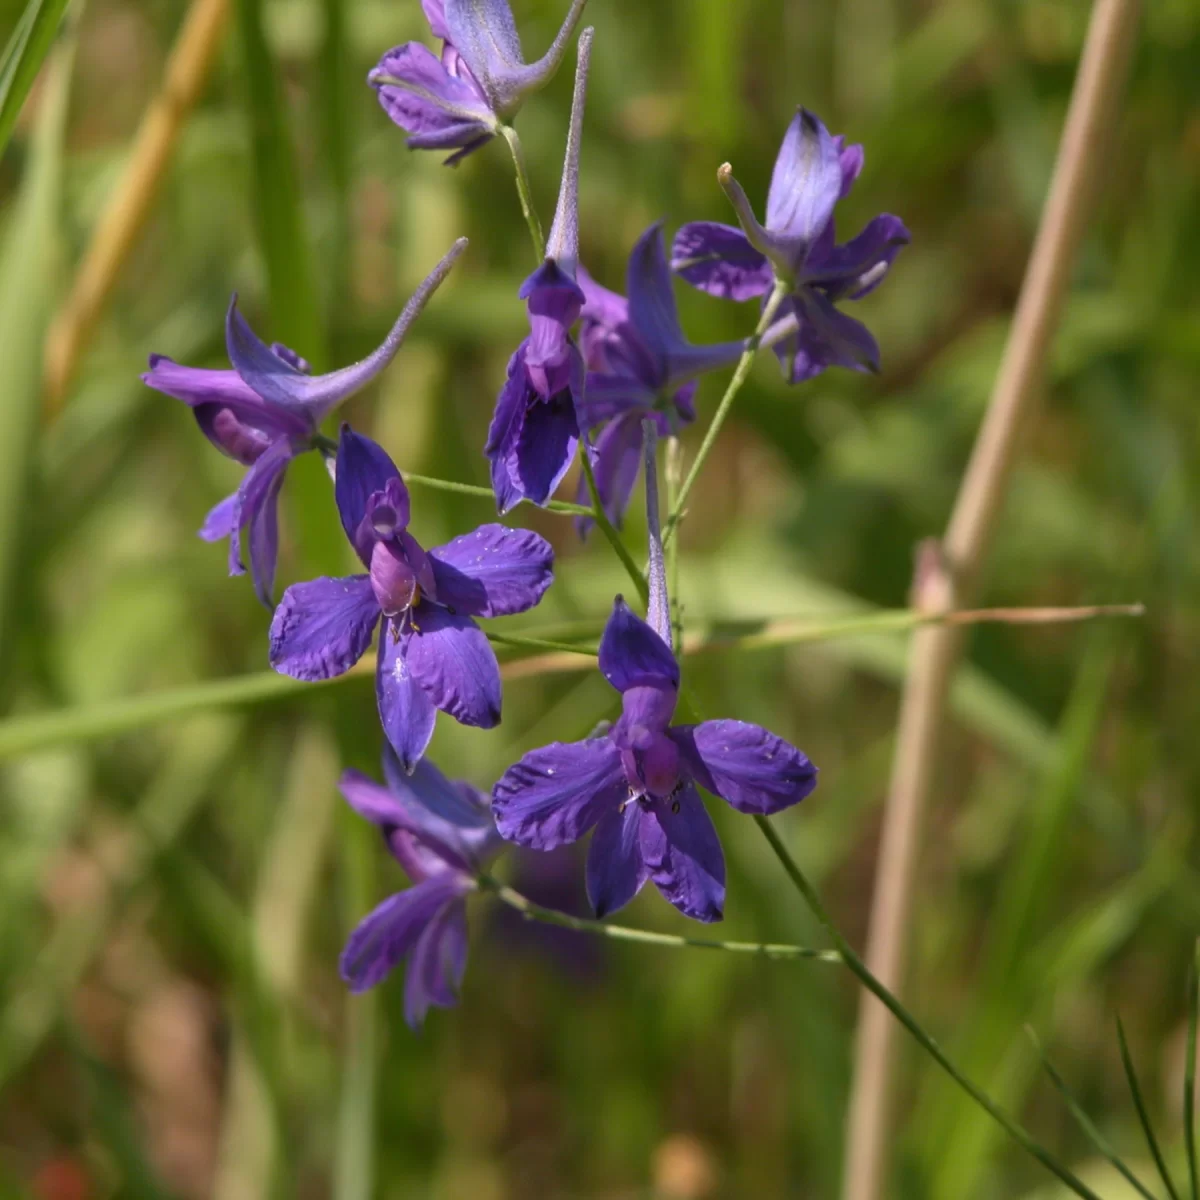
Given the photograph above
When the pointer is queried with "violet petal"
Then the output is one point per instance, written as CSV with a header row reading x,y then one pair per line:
x,y
618,461
616,870
493,572
436,967
387,934
454,663
545,446
221,520
718,259
317,395
258,515
200,388
363,469
323,627
632,654
430,845
860,266
439,110
746,765
684,855
554,795
426,789
805,185
505,428
407,714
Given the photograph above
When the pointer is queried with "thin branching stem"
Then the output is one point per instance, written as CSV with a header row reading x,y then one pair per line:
x,y
525,191
561,507
1139,1104
1090,1130
609,530
647,937
740,375
893,1005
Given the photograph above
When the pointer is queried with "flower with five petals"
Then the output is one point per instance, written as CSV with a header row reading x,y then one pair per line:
x,y
798,246
636,784
266,411
442,834
431,653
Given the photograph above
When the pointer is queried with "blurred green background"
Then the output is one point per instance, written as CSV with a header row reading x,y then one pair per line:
x,y
173,901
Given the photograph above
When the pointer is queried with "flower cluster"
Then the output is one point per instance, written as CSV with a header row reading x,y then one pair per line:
x,y
600,378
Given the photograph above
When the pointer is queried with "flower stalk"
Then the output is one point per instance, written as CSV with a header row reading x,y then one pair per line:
x,y
646,937
740,375
525,191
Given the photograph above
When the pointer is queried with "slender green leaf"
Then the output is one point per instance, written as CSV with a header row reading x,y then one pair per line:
x,y
23,56
354,1164
1189,1073
337,138
1090,1131
22,735
92,722
1143,1116
953,1135
277,198
27,274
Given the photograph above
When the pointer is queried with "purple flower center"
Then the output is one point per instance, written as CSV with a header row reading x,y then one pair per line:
x,y
393,579
385,521
651,762
240,441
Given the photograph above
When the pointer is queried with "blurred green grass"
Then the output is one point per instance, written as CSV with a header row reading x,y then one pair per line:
x,y
144,904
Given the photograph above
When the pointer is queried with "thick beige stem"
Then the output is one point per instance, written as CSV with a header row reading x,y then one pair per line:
x,y
949,582
129,205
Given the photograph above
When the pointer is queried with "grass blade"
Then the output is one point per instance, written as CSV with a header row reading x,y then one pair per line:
x,y
277,201
1143,1116
354,1170
338,140
26,293
23,56
1189,1076
1102,1144
94,722
112,718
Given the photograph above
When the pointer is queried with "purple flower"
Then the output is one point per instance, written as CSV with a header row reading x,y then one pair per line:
x,y
266,411
813,172
431,653
640,365
536,426
636,785
459,102
442,834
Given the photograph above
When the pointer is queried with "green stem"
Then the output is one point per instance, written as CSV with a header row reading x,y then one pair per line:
x,y
1139,1105
1189,1073
524,191
740,375
609,530
120,715
893,1005
1085,1123
486,493
531,643
354,1159
623,933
